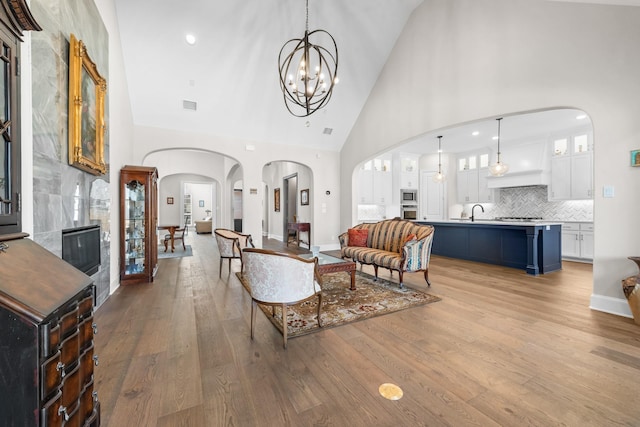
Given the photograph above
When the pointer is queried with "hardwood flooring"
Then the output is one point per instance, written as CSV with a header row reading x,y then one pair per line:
x,y
501,348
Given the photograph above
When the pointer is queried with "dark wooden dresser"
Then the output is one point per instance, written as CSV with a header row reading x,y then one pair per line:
x,y
46,339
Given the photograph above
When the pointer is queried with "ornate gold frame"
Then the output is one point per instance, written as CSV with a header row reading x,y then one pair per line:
x,y
87,89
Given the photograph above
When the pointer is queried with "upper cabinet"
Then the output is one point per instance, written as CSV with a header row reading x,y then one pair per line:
x,y
409,174
473,169
375,182
572,167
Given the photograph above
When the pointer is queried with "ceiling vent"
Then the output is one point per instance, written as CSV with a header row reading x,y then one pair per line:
x,y
327,131
189,105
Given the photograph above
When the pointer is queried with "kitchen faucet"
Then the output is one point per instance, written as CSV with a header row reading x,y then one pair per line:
x,y
472,215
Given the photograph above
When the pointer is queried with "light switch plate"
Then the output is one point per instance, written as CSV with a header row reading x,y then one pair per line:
x,y
608,191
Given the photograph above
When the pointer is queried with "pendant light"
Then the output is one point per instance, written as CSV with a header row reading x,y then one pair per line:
x,y
308,71
499,168
439,177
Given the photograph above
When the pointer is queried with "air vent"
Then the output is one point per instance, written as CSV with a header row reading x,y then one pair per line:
x,y
327,131
189,105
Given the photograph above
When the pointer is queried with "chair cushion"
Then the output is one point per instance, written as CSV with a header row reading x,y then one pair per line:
x,y
358,237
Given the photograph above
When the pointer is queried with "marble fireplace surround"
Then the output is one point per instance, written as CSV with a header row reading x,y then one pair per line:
x,y
64,196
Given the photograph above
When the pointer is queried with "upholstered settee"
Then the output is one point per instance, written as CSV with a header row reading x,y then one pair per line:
x,y
394,244
204,226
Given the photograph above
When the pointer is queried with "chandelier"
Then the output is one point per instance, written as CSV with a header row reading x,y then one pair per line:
x,y
309,72
499,168
439,177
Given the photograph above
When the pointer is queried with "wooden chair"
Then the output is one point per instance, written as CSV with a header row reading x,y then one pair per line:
x,y
279,279
230,245
177,235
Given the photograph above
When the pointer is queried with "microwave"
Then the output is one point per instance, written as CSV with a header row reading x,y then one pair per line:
x,y
410,196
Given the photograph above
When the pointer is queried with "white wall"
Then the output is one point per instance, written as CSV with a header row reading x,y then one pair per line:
x,y
465,60
324,167
120,128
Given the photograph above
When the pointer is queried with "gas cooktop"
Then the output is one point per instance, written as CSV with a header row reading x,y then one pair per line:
x,y
519,218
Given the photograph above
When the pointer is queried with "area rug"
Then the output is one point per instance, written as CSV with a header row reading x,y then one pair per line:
x,y
341,305
178,253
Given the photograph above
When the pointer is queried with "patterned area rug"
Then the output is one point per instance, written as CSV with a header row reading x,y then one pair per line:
x,y
179,253
341,306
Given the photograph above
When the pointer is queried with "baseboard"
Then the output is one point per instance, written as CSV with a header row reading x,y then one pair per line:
x,y
610,305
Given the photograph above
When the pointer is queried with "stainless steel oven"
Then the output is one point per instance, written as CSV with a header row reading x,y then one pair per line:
x,y
410,212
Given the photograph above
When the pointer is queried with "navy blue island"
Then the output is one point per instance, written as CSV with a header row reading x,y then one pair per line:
x,y
531,246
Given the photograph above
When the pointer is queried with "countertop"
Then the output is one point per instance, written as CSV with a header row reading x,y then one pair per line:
x,y
467,221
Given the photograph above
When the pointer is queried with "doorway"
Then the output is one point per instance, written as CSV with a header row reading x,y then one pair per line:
x,y
289,202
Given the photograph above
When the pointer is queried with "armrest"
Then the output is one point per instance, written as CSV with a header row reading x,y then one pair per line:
x,y
344,239
417,253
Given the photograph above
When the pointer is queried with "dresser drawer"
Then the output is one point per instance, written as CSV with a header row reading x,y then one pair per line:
x,y
88,401
51,376
71,390
86,366
86,332
51,414
70,351
69,322
85,307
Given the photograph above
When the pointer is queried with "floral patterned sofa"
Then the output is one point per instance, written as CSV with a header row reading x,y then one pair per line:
x,y
395,244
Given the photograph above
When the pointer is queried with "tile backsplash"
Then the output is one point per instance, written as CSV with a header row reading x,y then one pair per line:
x,y
532,202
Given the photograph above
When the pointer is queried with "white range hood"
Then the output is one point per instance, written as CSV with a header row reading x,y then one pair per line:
x,y
529,164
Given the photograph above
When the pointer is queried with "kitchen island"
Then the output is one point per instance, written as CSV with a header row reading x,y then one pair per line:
x,y
531,246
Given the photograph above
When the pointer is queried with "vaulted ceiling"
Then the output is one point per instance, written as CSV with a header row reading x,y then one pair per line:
x,y
231,72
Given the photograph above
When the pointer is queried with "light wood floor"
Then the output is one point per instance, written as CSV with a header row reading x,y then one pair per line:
x,y
501,348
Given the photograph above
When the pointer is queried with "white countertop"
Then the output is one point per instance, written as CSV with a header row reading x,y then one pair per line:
x,y
492,222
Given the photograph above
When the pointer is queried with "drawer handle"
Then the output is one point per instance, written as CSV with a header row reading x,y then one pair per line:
x,y
95,360
95,396
60,367
95,328
62,410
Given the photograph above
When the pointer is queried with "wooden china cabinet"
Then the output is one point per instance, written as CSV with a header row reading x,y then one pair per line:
x,y
138,224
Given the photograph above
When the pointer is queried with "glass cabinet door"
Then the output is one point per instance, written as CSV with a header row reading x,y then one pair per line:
x,y
134,227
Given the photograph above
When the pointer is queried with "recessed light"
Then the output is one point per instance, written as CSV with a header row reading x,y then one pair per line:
x,y
191,39
475,133
495,138
581,117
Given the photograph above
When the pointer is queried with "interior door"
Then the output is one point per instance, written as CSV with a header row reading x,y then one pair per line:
x,y
431,198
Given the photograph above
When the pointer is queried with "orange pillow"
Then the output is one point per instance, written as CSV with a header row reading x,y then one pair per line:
x,y
410,237
358,237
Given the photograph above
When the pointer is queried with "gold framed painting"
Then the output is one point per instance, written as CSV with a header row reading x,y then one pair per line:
x,y
276,200
87,89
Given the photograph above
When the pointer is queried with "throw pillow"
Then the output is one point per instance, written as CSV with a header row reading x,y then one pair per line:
x,y
358,237
410,237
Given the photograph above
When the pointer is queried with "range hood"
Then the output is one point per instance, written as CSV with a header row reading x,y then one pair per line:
x,y
529,164
519,179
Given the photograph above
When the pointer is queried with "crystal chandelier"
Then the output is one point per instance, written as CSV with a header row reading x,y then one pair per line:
x,y
439,177
309,72
499,168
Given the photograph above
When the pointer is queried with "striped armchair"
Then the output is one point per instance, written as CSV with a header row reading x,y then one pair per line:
x,y
395,244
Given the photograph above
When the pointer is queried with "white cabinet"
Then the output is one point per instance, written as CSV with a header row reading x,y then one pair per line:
x,y
409,175
365,187
468,186
572,168
375,182
577,241
485,194
582,176
473,170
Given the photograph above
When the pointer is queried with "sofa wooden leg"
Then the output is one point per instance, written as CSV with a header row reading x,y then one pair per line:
x,y
375,269
401,282
426,277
